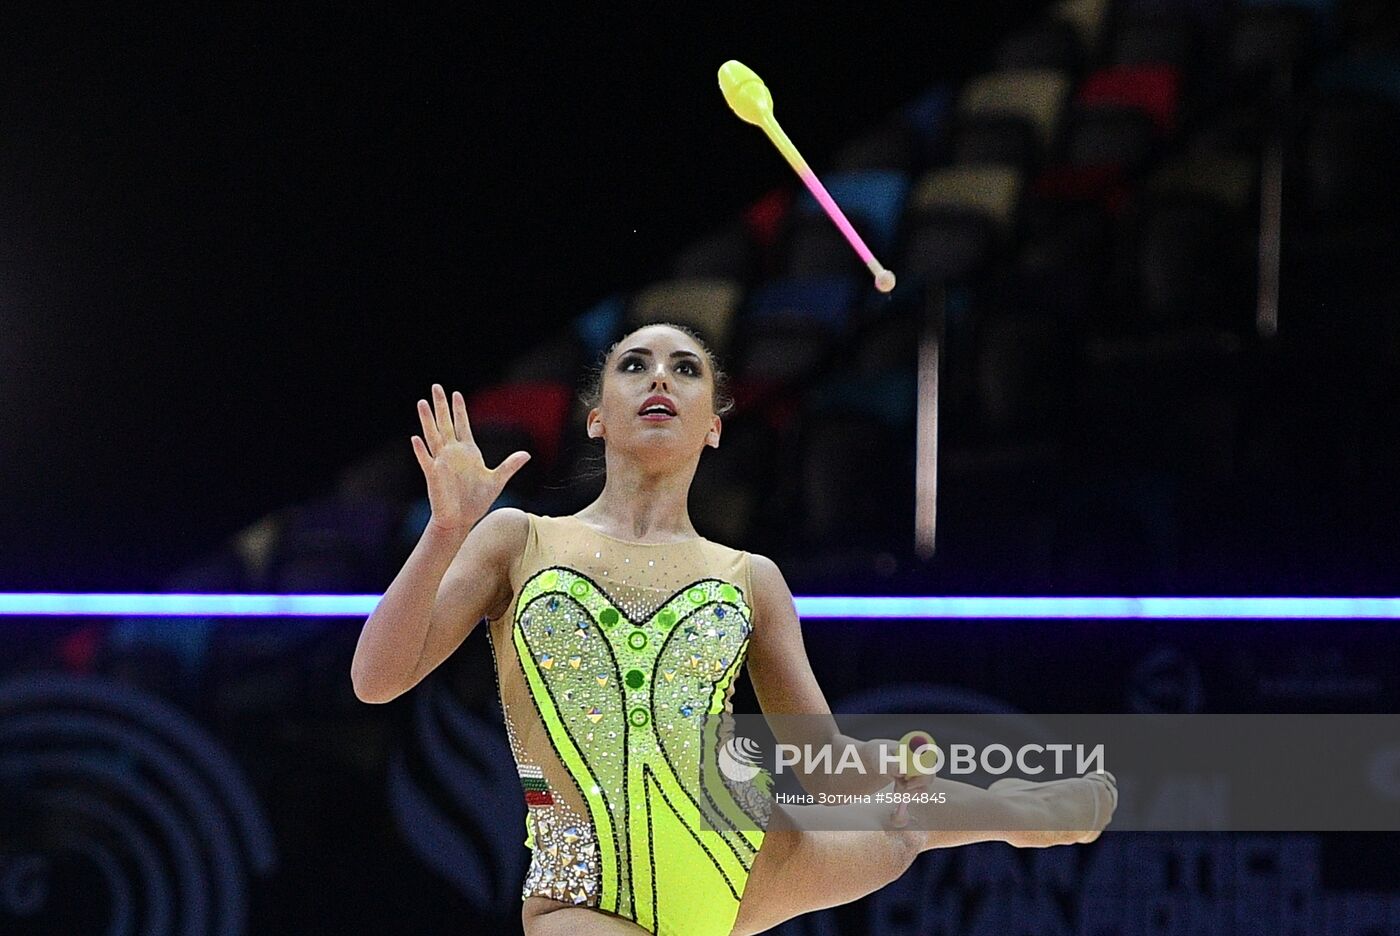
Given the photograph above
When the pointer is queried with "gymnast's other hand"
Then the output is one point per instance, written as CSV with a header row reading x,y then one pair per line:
x,y
461,489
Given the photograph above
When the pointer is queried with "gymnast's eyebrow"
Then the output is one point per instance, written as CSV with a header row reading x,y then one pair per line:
x,y
673,353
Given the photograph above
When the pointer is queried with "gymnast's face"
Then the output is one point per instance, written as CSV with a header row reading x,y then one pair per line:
x,y
657,398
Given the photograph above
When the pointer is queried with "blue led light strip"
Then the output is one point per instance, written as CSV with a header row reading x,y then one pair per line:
x,y
28,604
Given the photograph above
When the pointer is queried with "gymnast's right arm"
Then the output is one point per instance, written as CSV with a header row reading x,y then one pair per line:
x,y
460,570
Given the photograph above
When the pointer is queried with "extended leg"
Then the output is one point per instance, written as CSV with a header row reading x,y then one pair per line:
x,y
801,870
805,864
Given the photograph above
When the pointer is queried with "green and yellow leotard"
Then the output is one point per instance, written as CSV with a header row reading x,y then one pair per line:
x,y
608,662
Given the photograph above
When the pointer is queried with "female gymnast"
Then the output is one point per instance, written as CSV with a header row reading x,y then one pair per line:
x,y
614,632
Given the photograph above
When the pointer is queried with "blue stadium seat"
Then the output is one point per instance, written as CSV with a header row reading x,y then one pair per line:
x,y
876,196
927,117
599,326
824,301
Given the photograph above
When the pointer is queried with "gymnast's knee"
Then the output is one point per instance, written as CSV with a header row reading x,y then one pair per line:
x,y
902,846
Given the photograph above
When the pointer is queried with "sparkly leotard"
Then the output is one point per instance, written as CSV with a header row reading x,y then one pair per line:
x,y
608,660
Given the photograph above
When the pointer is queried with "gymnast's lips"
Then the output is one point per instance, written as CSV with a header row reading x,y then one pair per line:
x,y
657,401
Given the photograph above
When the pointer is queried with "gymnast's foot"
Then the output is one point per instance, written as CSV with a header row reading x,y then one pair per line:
x,y
1083,806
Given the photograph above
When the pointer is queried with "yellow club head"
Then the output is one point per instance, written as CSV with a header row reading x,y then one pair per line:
x,y
747,95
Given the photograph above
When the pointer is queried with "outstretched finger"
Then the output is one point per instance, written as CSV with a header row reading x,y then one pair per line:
x,y
431,437
420,452
459,409
507,469
444,414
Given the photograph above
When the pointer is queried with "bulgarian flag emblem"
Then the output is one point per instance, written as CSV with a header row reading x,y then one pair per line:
x,y
536,790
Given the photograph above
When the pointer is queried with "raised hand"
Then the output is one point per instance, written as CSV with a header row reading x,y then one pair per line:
x,y
461,489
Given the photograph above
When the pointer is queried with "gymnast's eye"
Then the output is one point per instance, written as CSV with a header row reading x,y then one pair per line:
x,y
689,367
629,360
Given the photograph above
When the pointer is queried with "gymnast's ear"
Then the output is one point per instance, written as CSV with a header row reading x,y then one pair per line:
x,y
595,425
712,437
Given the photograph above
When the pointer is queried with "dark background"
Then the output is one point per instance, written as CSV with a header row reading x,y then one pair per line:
x,y
237,245
240,243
